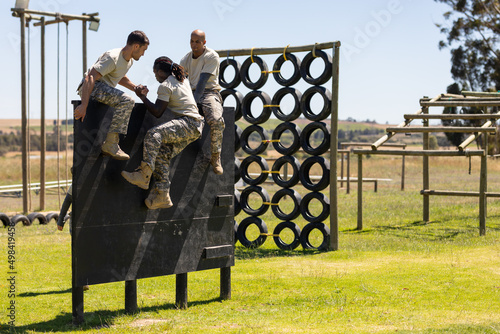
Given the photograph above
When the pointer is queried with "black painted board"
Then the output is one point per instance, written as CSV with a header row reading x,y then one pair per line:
x,y
115,236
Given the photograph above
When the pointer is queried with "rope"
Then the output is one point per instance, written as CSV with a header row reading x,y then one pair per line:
x,y
314,50
277,71
284,52
271,105
251,54
57,123
270,172
271,141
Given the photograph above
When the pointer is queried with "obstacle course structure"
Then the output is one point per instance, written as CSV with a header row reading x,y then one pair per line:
x,y
114,235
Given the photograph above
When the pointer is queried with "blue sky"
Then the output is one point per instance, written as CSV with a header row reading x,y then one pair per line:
x,y
389,54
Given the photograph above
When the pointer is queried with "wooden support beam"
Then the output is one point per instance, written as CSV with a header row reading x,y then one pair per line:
x,y
457,193
268,51
453,116
481,94
462,103
430,153
428,129
389,135
472,137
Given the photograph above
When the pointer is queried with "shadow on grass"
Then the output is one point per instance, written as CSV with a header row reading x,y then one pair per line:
x,y
35,294
93,321
254,253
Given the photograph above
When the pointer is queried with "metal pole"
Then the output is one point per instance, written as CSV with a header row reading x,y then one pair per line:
x,y
334,224
24,129
84,45
42,120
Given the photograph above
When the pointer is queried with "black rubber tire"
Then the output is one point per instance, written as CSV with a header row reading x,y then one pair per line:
x,y
296,111
52,216
296,70
5,220
245,77
305,68
296,232
263,166
246,107
305,169
304,207
238,97
293,179
296,198
306,232
305,103
37,216
305,138
20,218
237,137
237,170
237,202
237,78
242,229
264,195
245,135
235,227
278,132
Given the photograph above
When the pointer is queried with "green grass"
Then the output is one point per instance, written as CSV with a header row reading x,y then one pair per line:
x,y
398,274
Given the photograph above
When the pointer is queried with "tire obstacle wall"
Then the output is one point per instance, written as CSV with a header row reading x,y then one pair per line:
x,y
114,235
301,139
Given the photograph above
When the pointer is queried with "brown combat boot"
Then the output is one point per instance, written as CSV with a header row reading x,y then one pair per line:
x,y
158,199
110,147
216,164
140,177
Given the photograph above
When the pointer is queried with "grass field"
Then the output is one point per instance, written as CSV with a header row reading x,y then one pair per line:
x,y
398,274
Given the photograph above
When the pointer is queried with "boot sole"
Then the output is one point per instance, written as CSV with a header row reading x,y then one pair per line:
x,y
151,207
116,157
125,176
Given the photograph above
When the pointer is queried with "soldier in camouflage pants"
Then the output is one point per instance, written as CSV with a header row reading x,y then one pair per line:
x,y
211,103
164,142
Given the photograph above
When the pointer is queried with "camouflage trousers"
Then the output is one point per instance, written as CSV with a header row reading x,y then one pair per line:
x,y
211,105
121,102
165,141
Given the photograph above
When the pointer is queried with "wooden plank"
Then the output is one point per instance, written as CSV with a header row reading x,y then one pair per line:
x,y
441,129
278,50
436,153
453,116
457,193
481,94
462,103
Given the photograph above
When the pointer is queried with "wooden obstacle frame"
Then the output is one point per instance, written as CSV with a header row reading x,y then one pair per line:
x,y
468,99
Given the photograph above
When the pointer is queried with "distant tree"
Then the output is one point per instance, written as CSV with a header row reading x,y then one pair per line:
x,y
473,35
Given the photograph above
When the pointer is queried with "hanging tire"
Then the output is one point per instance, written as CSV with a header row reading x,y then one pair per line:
x,y
37,216
263,166
235,228
304,207
296,70
305,68
296,198
305,177
237,137
238,97
245,194
237,170
296,235
5,220
245,76
293,179
237,202
278,132
305,138
246,107
306,232
237,78
20,219
52,216
305,103
242,229
264,140
296,111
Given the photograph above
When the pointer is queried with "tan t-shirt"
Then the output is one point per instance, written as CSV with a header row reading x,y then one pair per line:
x,y
179,97
112,66
208,62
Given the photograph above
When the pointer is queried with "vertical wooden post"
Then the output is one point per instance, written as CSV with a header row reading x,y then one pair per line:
x,y
225,283
482,196
348,173
426,215
486,139
131,296
24,122
77,300
181,291
403,172
42,117
341,169
360,192
334,226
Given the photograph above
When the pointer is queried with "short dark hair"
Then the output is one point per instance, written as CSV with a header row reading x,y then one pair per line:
x,y
137,37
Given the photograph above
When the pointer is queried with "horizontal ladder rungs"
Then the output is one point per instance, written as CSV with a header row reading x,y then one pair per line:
x,y
468,129
452,116
436,153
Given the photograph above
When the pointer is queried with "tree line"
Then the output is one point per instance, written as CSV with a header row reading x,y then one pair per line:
x,y
12,141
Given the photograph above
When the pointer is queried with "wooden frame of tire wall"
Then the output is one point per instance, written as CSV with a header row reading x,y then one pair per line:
x,y
289,51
